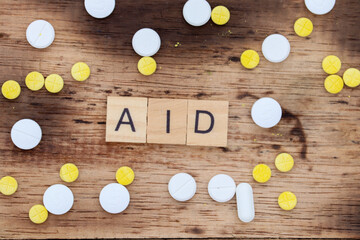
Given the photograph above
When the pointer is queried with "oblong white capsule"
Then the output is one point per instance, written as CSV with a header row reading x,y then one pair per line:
x,y
245,202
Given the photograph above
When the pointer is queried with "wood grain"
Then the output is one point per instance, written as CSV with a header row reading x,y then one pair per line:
x,y
320,130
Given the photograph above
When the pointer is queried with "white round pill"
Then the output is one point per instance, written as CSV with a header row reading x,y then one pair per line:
x,y
40,34
320,7
276,48
146,42
266,112
58,199
221,188
99,8
114,198
197,12
245,202
182,187
26,134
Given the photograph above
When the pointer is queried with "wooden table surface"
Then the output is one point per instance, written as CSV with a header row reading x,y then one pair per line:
x,y
319,129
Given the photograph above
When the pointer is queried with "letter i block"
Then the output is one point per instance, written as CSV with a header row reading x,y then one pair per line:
x,y
126,119
167,120
207,123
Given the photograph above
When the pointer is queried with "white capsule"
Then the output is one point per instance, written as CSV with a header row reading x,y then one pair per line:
x,y
182,187
40,34
58,199
114,198
146,42
320,7
197,12
221,188
26,134
245,202
99,8
266,112
276,48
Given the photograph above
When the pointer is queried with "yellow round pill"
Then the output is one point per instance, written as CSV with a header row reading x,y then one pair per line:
x,y
147,66
8,185
262,173
69,172
352,77
331,64
34,81
38,214
54,83
303,27
284,162
125,176
250,59
11,89
220,15
334,84
80,71
287,200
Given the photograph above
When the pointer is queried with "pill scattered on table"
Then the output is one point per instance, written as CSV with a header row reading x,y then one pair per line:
x,y
8,185
220,15
80,71
114,198
352,77
125,176
245,202
147,66
182,187
146,42
250,59
69,172
38,214
99,8
287,200
276,48
221,188
197,12
54,83
26,134
261,173
331,64
11,89
284,162
266,112
303,27
320,7
34,81
40,34
333,84
58,199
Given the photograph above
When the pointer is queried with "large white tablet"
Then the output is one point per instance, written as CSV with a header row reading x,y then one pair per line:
x,y
58,199
276,48
40,34
320,7
114,198
99,8
197,12
245,202
266,112
221,188
146,42
26,134
182,187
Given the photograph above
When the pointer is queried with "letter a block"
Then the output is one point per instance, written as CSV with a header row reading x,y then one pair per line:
x,y
167,120
126,119
207,123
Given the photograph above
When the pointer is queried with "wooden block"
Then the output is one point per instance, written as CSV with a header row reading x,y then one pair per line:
x,y
126,119
207,123
167,119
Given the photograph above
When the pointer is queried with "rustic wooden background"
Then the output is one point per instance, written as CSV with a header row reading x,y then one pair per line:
x,y
320,130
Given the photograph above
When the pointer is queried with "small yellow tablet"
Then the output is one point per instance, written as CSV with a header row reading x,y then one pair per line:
x,y
147,66
54,83
331,64
284,162
250,59
262,173
69,172
8,185
287,200
11,89
125,176
352,77
220,15
38,214
334,84
80,71
303,27
34,81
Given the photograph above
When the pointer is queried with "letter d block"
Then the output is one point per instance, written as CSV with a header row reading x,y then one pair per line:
x,y
207,123
126,119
